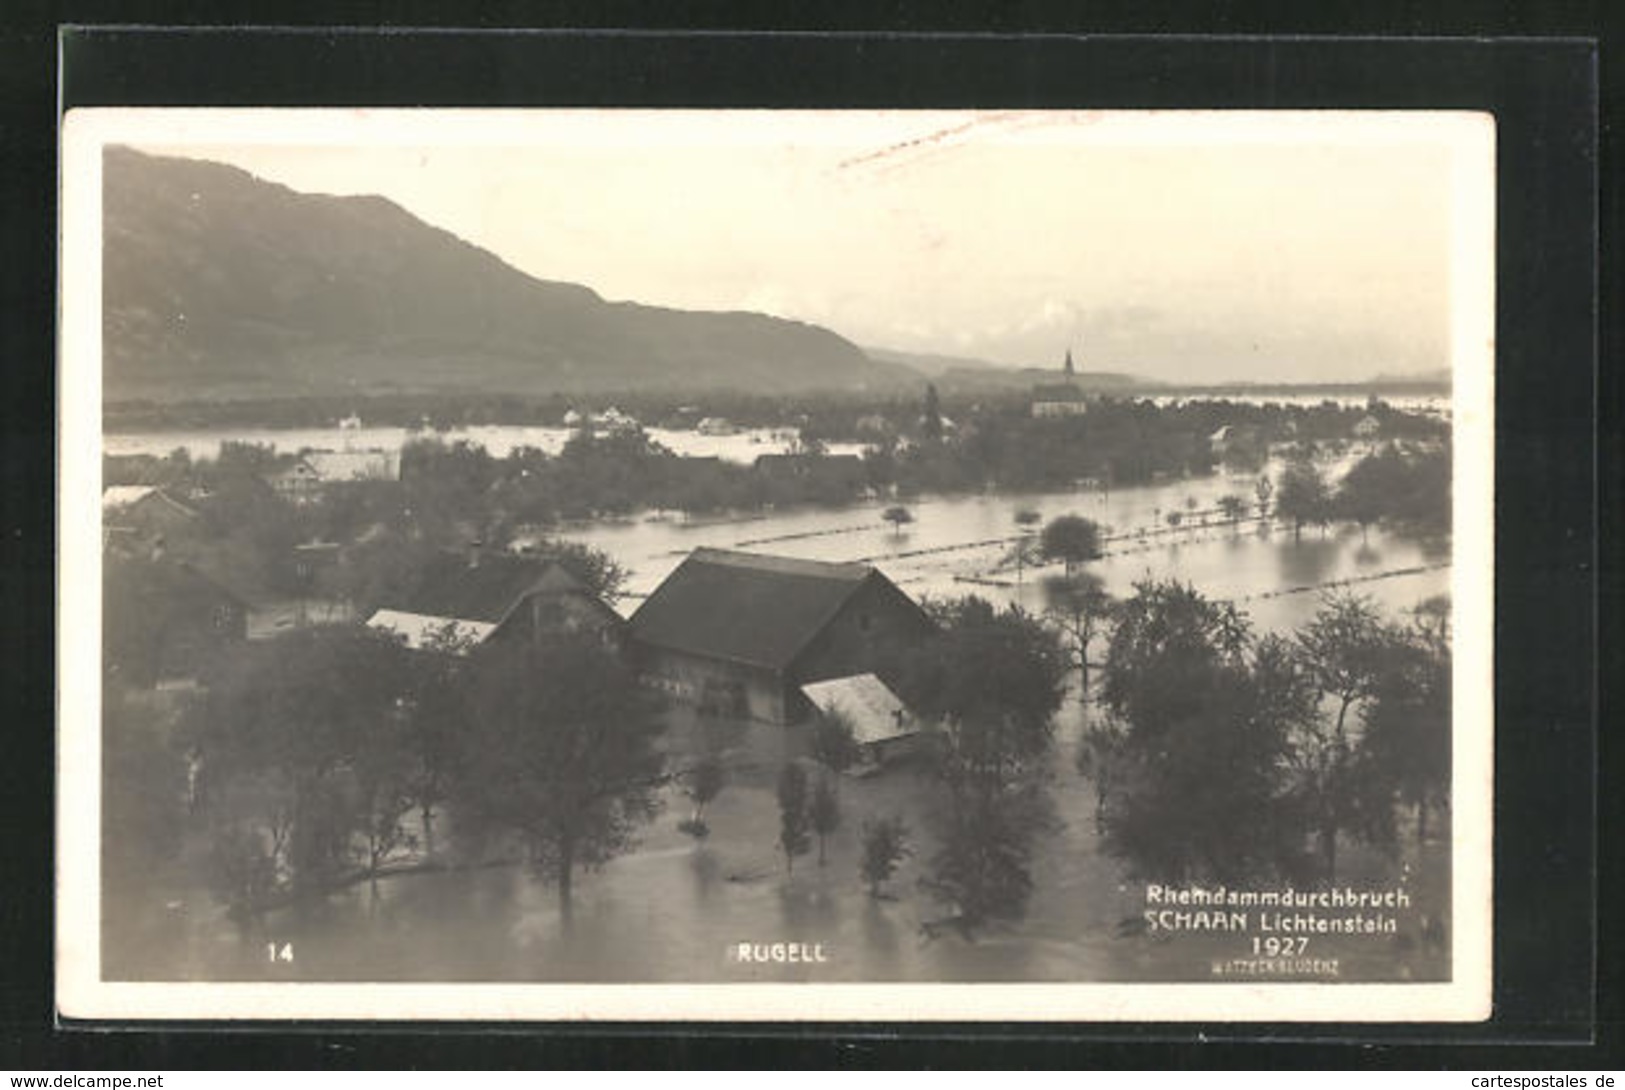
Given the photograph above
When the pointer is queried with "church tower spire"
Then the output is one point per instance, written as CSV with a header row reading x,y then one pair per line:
x,y
1070,373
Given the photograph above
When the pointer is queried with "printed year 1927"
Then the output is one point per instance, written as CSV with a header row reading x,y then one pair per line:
x,y
1280,946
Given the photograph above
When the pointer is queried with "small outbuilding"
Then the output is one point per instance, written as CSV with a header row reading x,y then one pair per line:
x,y
881,724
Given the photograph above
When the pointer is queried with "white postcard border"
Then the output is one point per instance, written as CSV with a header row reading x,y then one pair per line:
x,y
81,994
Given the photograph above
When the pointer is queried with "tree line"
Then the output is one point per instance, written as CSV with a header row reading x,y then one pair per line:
x,y
332,755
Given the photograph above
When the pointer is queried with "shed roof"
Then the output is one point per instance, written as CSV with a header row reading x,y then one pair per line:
x,y
745,607
875,712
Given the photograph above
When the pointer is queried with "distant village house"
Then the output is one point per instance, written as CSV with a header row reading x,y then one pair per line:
x,y
138,518
314,470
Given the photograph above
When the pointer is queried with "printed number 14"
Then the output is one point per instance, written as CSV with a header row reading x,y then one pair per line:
x,y
273,952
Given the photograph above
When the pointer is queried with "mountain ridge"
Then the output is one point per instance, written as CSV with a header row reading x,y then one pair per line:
x,y
219,283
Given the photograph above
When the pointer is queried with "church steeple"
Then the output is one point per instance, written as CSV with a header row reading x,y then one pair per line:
x,y
1070,373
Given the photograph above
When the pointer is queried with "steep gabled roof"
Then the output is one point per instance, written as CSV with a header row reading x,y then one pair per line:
x,y
455,588
746,608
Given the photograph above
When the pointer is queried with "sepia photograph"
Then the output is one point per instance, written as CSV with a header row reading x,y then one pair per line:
x,y
776,564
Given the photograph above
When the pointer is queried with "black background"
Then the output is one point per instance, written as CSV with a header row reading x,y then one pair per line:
x,y
1552,1008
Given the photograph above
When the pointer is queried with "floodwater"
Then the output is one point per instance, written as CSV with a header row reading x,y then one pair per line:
x,y
676,910
960,545
744,446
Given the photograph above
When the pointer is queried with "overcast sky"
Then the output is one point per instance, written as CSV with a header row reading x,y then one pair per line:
x,y
1187,247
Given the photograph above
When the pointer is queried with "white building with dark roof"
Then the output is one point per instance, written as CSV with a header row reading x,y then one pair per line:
x,y
316,469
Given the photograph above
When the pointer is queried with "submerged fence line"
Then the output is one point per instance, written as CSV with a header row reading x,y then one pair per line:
x,y
1332,584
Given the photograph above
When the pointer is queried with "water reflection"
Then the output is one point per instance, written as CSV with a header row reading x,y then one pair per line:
x,y
1306,562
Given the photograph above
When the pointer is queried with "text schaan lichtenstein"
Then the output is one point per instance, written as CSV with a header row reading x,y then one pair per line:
x,y
1287,911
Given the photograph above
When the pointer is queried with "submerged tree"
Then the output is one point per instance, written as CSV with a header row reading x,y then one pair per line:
x,y
899,517
1101,760
704,783
824,813
560,752
309,762
1026,550
994,680
1407,723
1081,609
834,742
436,707
1193,777
794,826
1302,496
885,845
1233,508
1345,653
1071,539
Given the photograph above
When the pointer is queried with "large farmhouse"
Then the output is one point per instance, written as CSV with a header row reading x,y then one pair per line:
x,y
471,598
740,633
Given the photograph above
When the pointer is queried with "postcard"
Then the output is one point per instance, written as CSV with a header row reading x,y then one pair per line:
x,y
776,565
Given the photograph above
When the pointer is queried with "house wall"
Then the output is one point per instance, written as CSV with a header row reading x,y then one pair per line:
x,y
1060,408
862,636
552,612
892,749
711,684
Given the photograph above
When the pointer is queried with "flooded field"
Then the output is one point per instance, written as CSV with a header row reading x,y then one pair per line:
x,y
963,545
